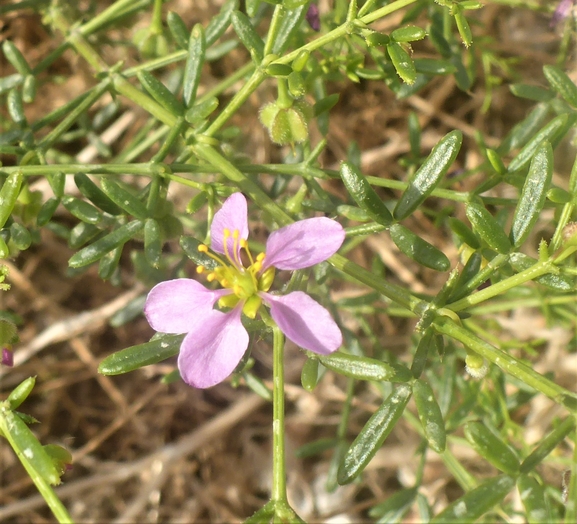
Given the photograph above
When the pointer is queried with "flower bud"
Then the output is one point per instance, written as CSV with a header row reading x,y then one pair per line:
x,y
286,125
61,457
476,366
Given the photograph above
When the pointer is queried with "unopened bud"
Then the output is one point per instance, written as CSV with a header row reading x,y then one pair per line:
x,y
476,366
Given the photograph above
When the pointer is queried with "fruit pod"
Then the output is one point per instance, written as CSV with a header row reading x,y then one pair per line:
x,y
135,357
492,448
418,249
98,249
8,196
82,210
160,93
485,225
124,198
402,62
248,36
533,194
364,195
430,415
373,434
360,368
429,175
93,193
194,62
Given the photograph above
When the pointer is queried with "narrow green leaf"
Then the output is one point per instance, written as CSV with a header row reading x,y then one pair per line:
x,y
310,374
15,57
433,67
316,447
93,193
194,62
360,368
199,112
98,249
20,236
492,448
373,434
464,233
393,509
524,130
135,357
533,497
471,269
531,92
364,195
160,93
533,194
219,23
325,104
289,26
428,176
402,62
123,198
430,415
152,241
20,393
487,227
190,247
178,29
476,502
108,264
248,36
548,444
549,132
15,106
256,385
47,211
81,210
561,84
29,89
82,233
409,33
521,262
30,452
463,27
8,195
418,249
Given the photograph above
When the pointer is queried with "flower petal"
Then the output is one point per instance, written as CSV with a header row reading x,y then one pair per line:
x,y
232,215
176,306
303,244
211,351
305,322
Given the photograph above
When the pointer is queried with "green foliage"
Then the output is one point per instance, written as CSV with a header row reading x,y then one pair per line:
x,y
497,229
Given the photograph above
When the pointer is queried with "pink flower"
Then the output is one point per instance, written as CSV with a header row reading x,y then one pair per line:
x,y
7,356
215,341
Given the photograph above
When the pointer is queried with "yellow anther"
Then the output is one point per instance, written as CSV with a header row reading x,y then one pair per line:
x,y
237,290
260,257
199,269
226,232
235,233
211,276
224,282
257,266
202,248
243,243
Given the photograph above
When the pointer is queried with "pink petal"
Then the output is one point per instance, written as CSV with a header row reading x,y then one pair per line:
x,y
303,244
176,306
211,351
232,215
305,322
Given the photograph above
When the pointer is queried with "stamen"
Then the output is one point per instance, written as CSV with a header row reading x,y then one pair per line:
x,y
202,248
200,269
236,235
211,276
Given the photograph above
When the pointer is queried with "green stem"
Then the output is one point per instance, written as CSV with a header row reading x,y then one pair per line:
x,y
506,362
278,438
48,494
535,271
275,24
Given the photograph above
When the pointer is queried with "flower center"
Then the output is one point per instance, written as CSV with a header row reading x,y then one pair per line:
x,y
245,282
